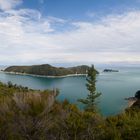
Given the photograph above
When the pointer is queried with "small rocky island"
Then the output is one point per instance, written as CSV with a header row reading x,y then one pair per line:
x,y
48,70
110,70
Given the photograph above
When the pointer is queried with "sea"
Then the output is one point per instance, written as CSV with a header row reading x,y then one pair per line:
x,y
113,86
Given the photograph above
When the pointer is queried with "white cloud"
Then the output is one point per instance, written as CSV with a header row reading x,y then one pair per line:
x,y
54,20
27,37
9,4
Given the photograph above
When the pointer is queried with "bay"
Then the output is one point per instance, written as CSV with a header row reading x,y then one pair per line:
x,y
114,87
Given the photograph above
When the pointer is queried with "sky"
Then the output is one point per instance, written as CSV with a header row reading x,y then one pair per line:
x,y
70,32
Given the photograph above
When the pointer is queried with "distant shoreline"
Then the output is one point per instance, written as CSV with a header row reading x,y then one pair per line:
x,y
44,76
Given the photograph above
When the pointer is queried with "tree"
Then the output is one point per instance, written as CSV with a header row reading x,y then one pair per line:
x,y
89,102
137,94
10,84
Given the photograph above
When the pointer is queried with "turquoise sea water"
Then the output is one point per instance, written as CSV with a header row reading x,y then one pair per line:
x,y
113,86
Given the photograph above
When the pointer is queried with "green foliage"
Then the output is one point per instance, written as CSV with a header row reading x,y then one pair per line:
x,y
137,94
89,102
36,115
125,126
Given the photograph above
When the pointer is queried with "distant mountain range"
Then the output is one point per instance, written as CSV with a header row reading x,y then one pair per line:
x,y
48,70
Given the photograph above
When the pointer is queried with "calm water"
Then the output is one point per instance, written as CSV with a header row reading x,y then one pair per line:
x,y
113,86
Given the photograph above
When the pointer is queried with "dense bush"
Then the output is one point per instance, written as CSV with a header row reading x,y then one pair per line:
x,y
36,115
137,95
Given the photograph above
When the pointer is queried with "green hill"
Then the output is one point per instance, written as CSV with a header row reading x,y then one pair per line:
x,y
48,70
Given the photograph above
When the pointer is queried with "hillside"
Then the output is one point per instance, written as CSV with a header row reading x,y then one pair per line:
x,y
48,70
27,114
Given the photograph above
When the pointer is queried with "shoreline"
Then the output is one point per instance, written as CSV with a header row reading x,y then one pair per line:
x,y
43,76
131,101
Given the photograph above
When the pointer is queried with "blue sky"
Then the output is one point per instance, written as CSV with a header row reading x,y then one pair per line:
x,y
69,32
79,9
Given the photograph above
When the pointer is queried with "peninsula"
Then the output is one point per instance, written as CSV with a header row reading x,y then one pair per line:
x,y
46,70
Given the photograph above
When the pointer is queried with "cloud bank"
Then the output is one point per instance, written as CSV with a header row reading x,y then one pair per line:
x,y
9,4
28,38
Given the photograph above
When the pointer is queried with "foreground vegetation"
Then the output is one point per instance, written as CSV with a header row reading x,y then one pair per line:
x,y
27,114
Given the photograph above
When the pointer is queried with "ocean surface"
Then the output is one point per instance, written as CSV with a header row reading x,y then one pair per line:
x,y
113,86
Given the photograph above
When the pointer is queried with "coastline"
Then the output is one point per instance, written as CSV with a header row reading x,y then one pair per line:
x,y
43,76
131,101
